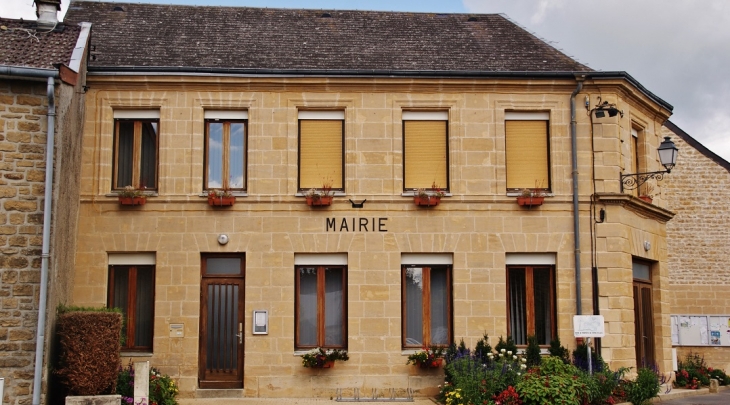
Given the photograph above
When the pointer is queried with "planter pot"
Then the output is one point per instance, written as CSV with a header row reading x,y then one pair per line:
x,y
430,201
646,198
435,363
132,200
221,201
328,364
319,201
530,201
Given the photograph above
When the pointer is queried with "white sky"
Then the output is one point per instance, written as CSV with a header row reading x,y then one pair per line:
x,y
677,49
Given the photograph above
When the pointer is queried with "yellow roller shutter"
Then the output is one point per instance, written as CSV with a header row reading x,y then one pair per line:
x,y
527,154
425,154
320,153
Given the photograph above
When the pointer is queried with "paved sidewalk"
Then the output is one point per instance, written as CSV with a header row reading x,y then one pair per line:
x,y
695,397
294,401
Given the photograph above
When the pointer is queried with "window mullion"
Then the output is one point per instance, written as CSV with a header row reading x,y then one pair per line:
x,y
137,155
320,306
426,306
226,154
530,300
131,306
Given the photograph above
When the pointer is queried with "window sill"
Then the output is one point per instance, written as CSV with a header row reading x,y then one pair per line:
x,y
519,194
335,194
146,194
300,353
413,194
135,354
233,193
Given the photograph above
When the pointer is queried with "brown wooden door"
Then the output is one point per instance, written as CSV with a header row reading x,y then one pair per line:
x,y
644,324
221,323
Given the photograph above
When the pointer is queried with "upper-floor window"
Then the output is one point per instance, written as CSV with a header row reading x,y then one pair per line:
x,y
527,148
225,150
321,150
136,142
425,149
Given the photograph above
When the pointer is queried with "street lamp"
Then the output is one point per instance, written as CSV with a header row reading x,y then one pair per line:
x,y
668,158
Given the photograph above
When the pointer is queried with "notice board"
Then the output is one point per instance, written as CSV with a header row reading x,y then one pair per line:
x,y
700,330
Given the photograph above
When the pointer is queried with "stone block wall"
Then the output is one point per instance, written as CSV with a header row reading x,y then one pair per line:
x,y
23,133
698,236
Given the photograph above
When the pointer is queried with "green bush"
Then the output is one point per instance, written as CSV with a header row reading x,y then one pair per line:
x,y
508,345
163,389
533,352
479,382
720,376
693,372
554,382
483,349
559,351
644,388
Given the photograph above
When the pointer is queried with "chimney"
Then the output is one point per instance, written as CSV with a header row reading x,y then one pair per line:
x,y
47,13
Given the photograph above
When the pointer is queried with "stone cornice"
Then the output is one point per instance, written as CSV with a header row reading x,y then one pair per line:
x,y
635,205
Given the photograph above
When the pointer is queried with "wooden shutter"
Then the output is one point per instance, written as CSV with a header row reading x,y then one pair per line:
x,y
320,153
425,154
527,154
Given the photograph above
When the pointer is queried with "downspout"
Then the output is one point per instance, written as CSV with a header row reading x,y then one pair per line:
x,y
48,195
576,216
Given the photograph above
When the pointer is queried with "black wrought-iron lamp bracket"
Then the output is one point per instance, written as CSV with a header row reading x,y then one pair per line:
x,y
633,181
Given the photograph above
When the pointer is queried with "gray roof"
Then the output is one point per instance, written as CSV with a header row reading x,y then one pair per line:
x,y
217,39
21,45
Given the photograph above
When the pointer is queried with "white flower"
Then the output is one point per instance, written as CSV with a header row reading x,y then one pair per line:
x,y
490,355
514,357
502,351
522,366
519,373
524,360
509,353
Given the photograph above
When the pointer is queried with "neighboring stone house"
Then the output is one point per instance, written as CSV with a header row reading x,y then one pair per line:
x,y
698,242
274,105
39,60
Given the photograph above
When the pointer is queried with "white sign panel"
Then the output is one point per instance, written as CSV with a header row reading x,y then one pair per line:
x,y
588,326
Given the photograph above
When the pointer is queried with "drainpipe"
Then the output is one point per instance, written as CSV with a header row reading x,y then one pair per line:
x,y
47,199
576,217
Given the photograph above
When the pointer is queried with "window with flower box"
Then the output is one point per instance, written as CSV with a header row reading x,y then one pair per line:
x,y
321,150
426,301
226,139
425,150
527,149
136,139
321,302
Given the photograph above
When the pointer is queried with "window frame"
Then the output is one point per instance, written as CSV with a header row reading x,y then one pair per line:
x,y
529,116
151,117
423,116
326,115
321,310
226,153
131,304
529,301
426,309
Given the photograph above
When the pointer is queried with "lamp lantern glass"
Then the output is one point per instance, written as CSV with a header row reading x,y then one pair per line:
x,y
668,153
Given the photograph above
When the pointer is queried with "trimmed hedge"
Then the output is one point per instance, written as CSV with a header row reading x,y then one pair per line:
x,y
89,352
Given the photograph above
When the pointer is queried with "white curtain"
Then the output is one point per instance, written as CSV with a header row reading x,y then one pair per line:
x,y
307,316
517,311
333,307
414,306
439,307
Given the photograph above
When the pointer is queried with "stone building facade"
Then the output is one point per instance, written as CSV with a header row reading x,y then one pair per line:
x,y
697,256
24,108
192,264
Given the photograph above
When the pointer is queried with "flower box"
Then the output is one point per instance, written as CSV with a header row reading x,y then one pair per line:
x,y
646,198
530,201
323,358
430,201
221,201
434,363
132,200
321,201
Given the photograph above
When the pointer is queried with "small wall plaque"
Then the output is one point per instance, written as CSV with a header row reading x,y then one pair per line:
x,y
260,322
177,330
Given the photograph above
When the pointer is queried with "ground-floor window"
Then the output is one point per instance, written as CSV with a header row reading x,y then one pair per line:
x,y
426,306
531,303
321,297
132,289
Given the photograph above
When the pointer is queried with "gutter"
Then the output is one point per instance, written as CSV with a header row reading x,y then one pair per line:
x,y
576,217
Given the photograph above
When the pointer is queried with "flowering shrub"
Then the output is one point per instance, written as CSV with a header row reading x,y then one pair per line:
x,y
317,357
162,389
507,397
693,373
